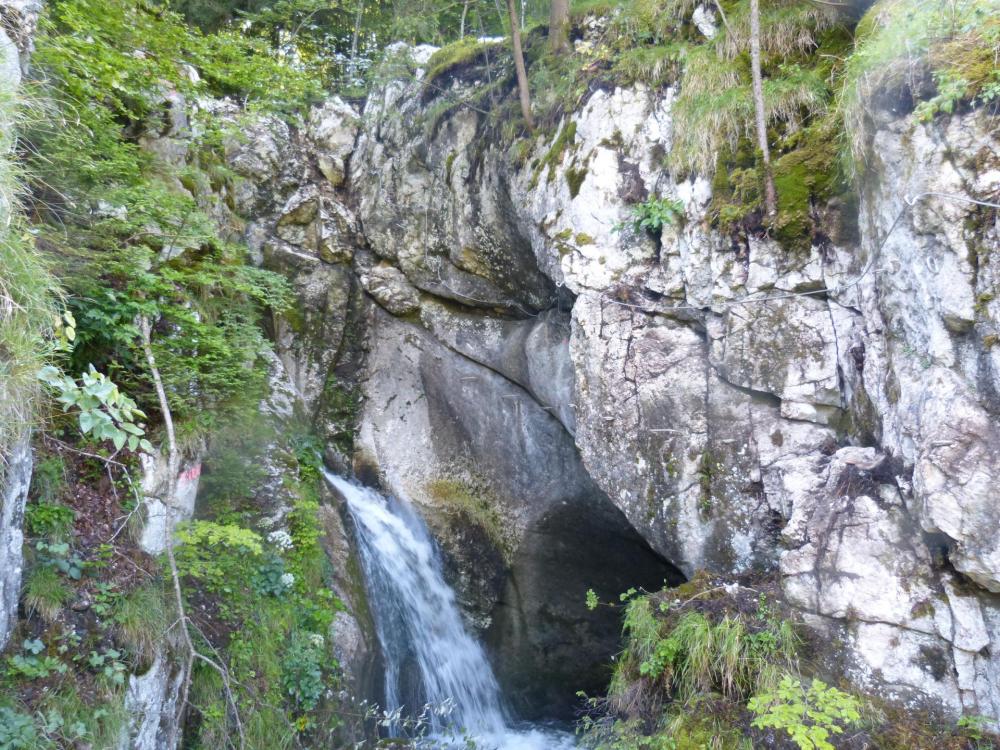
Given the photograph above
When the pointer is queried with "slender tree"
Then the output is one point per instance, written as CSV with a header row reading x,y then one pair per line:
x,y
352,66
559,26
522,73
465,12
770,194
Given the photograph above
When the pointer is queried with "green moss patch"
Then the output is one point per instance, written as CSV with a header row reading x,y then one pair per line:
x,y
574,179
553,157
458,55
475,505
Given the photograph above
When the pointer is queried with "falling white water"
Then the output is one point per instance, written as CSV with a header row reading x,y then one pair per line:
x,y
418,625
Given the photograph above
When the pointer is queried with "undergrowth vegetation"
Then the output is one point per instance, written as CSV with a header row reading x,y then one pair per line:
x,y
126,235
27,292
940,55
717,665
130,235
267,608
824,74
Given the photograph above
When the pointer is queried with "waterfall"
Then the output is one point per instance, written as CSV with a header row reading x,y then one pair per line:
x,y
420,629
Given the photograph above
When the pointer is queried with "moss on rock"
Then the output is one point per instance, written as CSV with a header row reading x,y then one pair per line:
x,y
453,56
474,505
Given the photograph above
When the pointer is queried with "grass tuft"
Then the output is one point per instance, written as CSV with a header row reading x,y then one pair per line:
x,y
453,56
46,592
141,619
903,44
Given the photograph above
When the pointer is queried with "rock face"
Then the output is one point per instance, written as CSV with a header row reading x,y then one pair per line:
x,y
163,513
151,703
572,404
15,476
462,433
827,416
19,19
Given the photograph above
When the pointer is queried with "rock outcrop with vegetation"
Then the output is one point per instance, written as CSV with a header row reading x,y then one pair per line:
x,y
587,348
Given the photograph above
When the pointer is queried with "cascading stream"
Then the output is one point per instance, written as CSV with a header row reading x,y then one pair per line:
x,y
420,629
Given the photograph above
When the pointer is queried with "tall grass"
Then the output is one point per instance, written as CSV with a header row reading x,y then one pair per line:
x,y
691,654
142,618
27,292
899,43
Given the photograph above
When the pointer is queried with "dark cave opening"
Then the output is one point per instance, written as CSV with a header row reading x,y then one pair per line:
x,y
544,642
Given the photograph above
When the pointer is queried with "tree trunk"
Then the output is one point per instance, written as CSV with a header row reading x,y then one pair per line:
x,y
559,26
465,12
770,194
522,73
352,67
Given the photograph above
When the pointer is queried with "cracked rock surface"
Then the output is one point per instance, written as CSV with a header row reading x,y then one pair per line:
x,y
829,417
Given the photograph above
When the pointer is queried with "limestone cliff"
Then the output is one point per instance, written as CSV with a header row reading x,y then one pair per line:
x,y
573,403
827,416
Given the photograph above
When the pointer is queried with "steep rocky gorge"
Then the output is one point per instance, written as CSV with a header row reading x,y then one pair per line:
x,y
572,404
826,416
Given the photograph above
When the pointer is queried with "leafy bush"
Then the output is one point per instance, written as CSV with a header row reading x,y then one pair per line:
x,y
129,240
809,715
271,578
211,552
105,413
303,674
655,213
44,519
17,730
61,557
108,663
32,664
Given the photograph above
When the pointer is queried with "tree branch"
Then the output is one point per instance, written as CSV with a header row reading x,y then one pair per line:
x,y
173,466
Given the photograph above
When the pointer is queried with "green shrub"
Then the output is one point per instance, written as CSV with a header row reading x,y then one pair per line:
x,y
212,552
43,519
17,730
655,213
303,672
60,556
808,715
104,412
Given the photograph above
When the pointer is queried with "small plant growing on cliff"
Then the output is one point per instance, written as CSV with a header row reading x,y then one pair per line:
x,y
17,730
46,592
653,214
303,672
809,715
104,412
